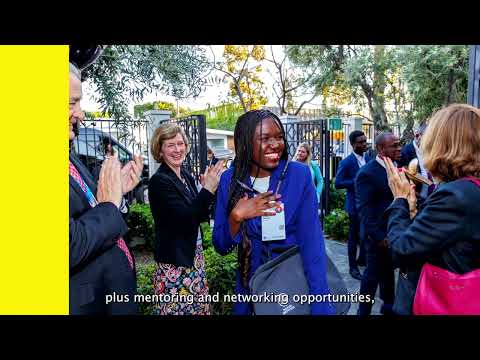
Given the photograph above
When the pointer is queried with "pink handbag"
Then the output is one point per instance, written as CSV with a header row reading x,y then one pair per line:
x,y
441,292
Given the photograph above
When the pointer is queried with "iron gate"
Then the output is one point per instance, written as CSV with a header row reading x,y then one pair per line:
x,y
316,134
125,139
196,130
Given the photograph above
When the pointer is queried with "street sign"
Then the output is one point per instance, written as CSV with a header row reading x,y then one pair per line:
x,y
335,124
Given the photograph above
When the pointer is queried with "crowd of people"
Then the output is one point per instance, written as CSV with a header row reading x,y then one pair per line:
x,y
414,209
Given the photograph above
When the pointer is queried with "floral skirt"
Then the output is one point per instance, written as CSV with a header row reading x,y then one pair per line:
x,y
181,289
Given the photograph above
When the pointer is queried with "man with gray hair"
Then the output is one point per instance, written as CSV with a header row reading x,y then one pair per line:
x,y
412,151
102,272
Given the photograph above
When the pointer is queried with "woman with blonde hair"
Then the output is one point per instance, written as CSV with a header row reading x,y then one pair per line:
x,y
443,238
304,155
178,209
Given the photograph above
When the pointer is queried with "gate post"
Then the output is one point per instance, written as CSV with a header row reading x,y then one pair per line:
x,y
154,118
473,96
328,153
202,138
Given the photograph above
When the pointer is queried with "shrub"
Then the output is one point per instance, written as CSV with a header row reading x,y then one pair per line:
x,y
337,196
145,286
207,235
221,273
337,224
221,277
140,222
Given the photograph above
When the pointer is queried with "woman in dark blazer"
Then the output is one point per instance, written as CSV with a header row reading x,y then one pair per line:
x,y
178,209
446,230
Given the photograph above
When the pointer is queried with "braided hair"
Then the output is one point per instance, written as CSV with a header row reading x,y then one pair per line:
x,y
243,140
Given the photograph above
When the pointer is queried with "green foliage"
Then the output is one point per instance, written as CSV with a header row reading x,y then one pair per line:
x,y
139,110
140,222
221,277
221,273
207,235
398,84
222,117
125,73
337,197
145,274
435,75
337,224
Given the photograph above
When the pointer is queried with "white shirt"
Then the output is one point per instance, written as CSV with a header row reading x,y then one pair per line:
x,y
381,162
360,159
260,184
423,171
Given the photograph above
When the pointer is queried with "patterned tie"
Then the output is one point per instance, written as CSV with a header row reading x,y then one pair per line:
x,y
91,199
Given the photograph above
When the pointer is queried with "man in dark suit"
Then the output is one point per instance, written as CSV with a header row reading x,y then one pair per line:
x,y
102,274
373,196
345,179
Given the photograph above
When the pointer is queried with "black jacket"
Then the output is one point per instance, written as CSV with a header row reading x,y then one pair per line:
x,y
408,154
177,213
445,233
97,266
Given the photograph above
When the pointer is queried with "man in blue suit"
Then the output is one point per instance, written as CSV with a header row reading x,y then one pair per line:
x,y
345,179
373,196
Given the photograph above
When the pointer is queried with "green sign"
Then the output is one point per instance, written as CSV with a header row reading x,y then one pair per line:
x,y
335,124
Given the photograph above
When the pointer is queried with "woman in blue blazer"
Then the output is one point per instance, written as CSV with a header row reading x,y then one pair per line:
x,y
261,157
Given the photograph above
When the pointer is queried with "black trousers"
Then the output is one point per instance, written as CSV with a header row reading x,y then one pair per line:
x,y
379,272
354,242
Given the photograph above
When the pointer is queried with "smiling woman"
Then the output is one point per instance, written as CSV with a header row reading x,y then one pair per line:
x,y
178,208
240,218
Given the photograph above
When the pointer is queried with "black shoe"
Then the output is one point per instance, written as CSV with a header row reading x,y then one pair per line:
x,y
355,273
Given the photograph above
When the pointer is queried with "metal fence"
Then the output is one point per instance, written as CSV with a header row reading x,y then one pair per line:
x,y
316,134
96,137
196,130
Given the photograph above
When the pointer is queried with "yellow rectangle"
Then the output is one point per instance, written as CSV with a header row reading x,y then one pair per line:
x,y
34,179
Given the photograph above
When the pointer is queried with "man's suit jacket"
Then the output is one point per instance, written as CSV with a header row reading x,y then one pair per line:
x,y
345,179
97,266
373,196
177,213
408,154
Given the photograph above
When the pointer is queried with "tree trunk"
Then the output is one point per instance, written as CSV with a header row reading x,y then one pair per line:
x,y
379,114
408,135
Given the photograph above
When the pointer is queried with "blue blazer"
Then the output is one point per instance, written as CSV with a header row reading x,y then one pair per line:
x,y
345,179
373,196
302,227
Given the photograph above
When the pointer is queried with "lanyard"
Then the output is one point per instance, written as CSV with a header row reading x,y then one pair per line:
x,y
282,177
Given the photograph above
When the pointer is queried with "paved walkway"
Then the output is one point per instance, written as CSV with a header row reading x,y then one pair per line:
x,y
337,251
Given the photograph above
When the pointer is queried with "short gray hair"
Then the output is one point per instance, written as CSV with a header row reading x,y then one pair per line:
x,y
421,128
75,71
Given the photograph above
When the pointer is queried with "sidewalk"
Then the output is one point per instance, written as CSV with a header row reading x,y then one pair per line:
x,y
337,251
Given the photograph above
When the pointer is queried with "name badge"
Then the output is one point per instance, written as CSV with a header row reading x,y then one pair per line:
x,y
273,227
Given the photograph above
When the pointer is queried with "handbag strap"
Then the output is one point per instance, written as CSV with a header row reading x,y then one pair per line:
x,y
473,179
